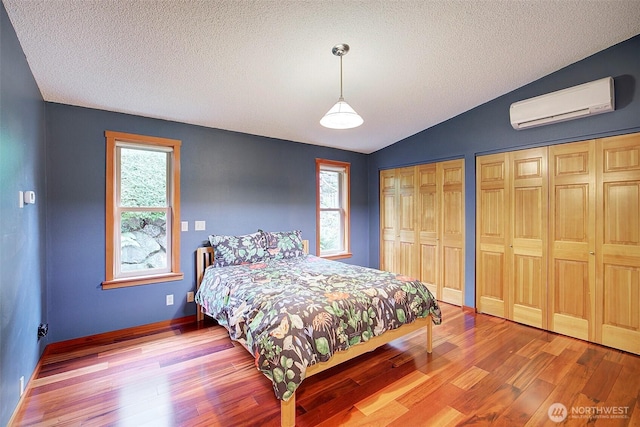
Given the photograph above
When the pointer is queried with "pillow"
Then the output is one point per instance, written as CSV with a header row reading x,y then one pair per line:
x,y
234,250
284,244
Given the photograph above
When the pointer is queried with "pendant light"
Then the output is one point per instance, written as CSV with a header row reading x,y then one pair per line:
x,y
341,115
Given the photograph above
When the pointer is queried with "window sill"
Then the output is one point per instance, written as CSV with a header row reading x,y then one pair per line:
x,y
141,280
337,256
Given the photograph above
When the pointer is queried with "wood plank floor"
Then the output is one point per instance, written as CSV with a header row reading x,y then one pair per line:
x,y
483,371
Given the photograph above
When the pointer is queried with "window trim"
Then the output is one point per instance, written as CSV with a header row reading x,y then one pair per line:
x,y
345,167
112,140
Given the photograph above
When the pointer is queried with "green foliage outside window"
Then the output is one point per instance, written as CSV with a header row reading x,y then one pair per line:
x,y
143,183
330,220
143,188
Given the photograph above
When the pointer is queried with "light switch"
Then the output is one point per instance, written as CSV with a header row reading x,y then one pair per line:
x,y
185,225
200,225
29,197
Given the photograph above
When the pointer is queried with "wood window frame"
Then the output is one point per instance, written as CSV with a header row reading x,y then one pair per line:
x,y
174,273
345,205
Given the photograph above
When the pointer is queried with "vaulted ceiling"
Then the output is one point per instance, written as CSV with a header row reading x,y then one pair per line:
x,y
266,67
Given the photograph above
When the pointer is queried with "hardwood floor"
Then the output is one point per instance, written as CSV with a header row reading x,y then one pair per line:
x,y
483,371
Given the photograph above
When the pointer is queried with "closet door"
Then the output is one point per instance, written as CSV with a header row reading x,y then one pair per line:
x,y
512,235
492,234
452,235
618,242
388,221
422,226
407,241
428,227
527,252
398,221
572,239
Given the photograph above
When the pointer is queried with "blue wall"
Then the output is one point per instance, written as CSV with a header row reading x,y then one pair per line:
x,y
235,182
486,129
22,268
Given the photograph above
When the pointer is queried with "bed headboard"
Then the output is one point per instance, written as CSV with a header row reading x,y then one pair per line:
x,y
204,258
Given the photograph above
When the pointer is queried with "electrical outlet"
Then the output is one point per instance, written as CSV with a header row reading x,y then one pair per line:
x,y
170,299
190,296
21,385
43,329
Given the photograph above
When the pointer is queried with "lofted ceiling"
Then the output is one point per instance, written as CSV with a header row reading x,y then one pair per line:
x,y
266,67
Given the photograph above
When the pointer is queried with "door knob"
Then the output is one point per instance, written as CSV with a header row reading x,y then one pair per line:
x,y
592,253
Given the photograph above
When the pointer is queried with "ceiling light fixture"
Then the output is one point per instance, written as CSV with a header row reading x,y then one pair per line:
x,y
341,115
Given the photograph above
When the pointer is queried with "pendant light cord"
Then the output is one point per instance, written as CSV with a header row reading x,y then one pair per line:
x,y
341,77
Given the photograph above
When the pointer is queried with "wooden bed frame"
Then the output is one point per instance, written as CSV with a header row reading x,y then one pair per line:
x,y
288,408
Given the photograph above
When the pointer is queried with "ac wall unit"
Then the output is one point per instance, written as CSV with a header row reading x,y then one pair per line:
x,y
587,99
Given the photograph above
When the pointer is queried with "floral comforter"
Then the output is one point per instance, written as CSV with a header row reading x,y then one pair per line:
x,y
293,313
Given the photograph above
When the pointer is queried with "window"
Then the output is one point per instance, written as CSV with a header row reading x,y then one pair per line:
x,y
142,210
332,216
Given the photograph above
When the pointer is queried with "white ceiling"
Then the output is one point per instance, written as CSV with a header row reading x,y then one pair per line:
x,y
266,67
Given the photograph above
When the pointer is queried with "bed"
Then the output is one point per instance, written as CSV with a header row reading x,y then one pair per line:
x,y
299,314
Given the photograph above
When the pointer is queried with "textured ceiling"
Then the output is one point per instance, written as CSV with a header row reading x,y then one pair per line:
x,y
266,68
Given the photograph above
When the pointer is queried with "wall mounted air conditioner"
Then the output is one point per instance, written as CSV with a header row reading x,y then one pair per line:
x,y
587,99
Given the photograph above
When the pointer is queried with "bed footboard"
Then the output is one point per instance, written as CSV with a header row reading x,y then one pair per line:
x,y
288,408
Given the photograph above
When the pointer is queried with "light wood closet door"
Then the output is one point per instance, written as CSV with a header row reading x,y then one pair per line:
x,y
398,221
492,229
558,239
618,242
429,227
572,239
407,240
512,249
389,232
527,252
422,226
452,255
